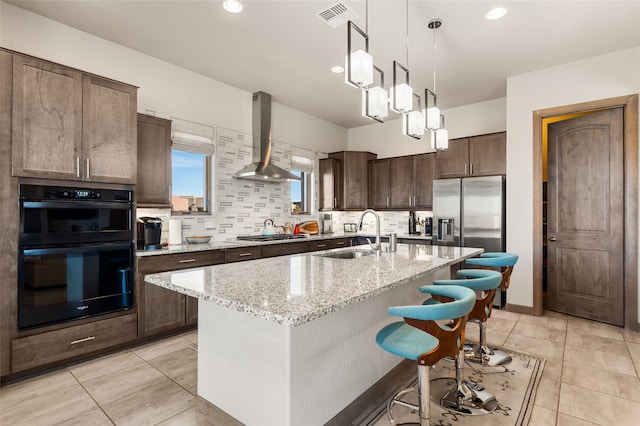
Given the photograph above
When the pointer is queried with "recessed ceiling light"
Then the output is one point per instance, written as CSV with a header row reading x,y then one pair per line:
x,y
337,69
496,13
232,6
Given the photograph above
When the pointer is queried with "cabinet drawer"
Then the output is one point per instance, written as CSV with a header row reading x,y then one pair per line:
x,y
46,348
172,262
283,249
242,253
341,242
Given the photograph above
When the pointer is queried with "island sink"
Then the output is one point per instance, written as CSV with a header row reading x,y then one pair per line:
x,y
346,254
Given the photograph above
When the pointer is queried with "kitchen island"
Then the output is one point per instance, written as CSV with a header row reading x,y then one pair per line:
x,y
291,340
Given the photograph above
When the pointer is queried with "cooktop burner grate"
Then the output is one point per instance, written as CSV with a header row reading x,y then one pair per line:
x,y
270,237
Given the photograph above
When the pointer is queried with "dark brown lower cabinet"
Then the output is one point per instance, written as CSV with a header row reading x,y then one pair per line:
x,y
161,310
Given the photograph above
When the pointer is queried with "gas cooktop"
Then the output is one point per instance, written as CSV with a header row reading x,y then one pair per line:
x,y
271,237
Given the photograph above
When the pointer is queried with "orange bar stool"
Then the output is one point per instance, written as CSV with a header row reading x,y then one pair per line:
x,y
465,396
420,338
482,353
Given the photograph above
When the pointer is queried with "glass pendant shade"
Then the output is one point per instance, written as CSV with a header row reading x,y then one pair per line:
x,y
413,124
432,116
377,106
440,139
401,98
359,67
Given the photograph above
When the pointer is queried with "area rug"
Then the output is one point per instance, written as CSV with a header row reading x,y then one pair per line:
x,y
514,385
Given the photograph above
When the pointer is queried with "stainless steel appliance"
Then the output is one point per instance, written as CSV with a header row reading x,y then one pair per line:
x,y
75,255
326,223
470,212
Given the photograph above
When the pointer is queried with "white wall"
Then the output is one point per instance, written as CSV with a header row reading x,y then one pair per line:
x,y
163,87
386,139
606,76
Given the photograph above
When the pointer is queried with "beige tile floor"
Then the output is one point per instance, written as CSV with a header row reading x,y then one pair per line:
x,y
590,378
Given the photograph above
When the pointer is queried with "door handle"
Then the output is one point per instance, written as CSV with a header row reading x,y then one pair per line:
x,y
552,239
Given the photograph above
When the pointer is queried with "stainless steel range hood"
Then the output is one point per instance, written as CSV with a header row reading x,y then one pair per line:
x,y
261,169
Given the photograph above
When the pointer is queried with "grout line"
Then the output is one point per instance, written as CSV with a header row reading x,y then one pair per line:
x,y
91,396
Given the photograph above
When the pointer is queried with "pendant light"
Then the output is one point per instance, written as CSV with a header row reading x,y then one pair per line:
x,y
440,137
413,121
401,94
374,100
432,114
358,65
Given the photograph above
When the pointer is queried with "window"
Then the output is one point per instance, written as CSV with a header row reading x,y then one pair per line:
x,y
302,166
191,174
191,166
300,192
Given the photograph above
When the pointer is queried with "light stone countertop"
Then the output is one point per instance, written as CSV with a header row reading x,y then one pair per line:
x,y
295,289
231,243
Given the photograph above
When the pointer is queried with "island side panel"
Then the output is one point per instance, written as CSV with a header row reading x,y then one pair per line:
x,y
244,365
266,374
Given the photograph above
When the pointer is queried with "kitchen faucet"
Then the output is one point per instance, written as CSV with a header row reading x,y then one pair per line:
x,y
377,246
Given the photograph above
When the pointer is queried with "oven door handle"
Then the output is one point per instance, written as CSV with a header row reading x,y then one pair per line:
x,y
40,250
76,204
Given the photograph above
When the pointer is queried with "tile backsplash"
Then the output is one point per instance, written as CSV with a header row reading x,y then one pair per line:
x,y
242,206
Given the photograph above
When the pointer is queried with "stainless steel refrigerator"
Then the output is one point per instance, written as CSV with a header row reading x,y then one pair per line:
x,y
470,212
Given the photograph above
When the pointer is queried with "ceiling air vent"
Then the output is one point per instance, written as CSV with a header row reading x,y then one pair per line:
x,y
337,14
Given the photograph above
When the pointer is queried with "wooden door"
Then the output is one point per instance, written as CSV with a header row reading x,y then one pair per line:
x,y
379,179
330,184
423,174
454,161
154,162
488,155
585,238
109,131
402,182
47,119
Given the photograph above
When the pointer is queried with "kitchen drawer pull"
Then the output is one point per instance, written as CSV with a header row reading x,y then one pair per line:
x,y
86,339
321,245
340,243
245,254
187,261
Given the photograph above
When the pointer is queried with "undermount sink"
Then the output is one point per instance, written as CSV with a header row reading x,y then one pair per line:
x,y
346,254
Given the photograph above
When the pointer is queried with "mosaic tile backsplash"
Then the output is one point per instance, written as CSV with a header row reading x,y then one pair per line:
x,y
242,206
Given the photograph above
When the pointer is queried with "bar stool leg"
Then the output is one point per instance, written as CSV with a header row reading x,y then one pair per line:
x,y
424,392
482,353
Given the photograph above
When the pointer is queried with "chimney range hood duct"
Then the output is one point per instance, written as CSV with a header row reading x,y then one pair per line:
x,y
261,169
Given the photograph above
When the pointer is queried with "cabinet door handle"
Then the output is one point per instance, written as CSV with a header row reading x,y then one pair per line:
x,y
187,261
409,201
86,339
387,201
470,168
335,202
552,239
88,169
245,254
78,167
465,169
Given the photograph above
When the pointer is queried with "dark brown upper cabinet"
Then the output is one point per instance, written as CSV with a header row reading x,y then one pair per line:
x,y
483,155
402,183
344,178
71,125
154,162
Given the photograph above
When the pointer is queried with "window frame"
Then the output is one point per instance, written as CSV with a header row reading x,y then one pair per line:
x,y
207,190
305,193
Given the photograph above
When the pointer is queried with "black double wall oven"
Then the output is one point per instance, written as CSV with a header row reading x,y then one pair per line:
x,y
75,254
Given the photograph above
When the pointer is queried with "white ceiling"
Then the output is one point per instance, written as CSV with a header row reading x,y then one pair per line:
x,y
282,48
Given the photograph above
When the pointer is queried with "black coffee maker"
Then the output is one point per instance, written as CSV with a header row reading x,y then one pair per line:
x,y
149,231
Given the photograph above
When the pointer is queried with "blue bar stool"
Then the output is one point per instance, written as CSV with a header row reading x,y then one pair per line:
x,y
420,338
467,397
482,353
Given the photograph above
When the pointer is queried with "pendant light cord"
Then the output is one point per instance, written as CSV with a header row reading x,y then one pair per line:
x,y
434,59
407,29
